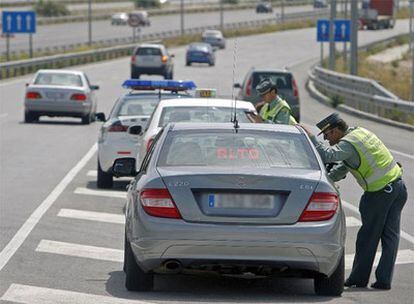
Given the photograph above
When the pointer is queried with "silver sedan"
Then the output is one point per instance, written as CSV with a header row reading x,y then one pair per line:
x,y
60,93
249,200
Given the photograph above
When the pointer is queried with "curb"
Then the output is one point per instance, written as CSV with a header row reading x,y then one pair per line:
x,y
314,92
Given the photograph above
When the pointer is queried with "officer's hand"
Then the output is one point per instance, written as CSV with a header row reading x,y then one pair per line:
x,y
306,129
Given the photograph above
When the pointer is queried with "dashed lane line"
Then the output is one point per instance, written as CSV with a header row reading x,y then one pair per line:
x,y
405,256
26,294
34,218
107,193
92,216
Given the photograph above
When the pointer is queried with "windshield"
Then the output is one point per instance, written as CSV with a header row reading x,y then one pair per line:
x,y
200,114
282,80
246,149
60,79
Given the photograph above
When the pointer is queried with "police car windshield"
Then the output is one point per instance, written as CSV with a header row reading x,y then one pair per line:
x,y
246,149
200,114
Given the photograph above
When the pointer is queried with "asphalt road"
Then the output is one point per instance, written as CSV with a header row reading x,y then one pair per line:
x,y
51,263
77,32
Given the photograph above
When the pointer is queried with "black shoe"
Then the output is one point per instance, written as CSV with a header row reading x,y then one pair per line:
x,y
350,283
378,285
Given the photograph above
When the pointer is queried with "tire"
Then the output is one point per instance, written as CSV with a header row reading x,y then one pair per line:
x,y
333,285
104,180
86,120
211,63
169,75
135,278
30,117
188,63
134,75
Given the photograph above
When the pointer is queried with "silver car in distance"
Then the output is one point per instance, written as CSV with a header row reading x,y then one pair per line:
x,y
255,200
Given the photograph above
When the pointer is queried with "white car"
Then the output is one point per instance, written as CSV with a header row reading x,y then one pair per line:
x,y
133,108
214,38
60,93
191,110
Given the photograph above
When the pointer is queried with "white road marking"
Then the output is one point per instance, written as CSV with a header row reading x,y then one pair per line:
x,y
81,251
405,256
352,222
92,216
26,294
35,217
403,234
107,193
94,173
401,153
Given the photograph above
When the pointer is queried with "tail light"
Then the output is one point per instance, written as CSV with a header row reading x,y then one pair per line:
x,y
159,203
321,207
133,59
149,143
117,126
295,88
33,95
164,59
78,97
249,88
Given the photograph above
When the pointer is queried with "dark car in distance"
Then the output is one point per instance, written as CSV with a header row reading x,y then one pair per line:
x,y
200,53
264,7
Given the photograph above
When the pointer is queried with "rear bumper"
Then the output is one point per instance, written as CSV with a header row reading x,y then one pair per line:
x,y
149,70
310,247
204,59
108,152
75,109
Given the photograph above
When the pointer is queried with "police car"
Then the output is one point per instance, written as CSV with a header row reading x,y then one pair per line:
x,y
133,108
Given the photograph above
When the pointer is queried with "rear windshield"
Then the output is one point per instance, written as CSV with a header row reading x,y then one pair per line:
x,y
282,80
200,114
247,149
141,104
199,47
144,51
59,79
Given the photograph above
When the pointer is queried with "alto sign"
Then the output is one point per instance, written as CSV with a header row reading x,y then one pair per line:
x,y
15,22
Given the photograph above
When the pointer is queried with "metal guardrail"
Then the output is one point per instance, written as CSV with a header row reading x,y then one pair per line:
x,y
22,67
362,94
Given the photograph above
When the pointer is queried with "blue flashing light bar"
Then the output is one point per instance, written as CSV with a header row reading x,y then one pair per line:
x,y
169,85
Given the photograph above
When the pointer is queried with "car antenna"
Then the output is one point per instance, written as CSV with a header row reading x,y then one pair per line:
x,y
234,119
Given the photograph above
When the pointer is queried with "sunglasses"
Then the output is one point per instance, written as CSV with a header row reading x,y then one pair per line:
x,y
325,134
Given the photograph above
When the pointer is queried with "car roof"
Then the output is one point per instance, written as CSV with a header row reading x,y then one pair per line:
x,y
267,70
61,71
230,126
151,45
205,102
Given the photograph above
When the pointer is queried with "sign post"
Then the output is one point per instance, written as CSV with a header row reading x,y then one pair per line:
x,y
341,31
18,22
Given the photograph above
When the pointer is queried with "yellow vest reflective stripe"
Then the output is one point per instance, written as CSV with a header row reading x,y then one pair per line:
x,y
271,114
377,166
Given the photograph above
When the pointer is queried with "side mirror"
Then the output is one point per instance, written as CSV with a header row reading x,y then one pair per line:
x,y
94,87
237,85
135,130
124,167
172,55
100,116
26,84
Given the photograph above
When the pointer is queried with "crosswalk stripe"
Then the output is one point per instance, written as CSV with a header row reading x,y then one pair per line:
x,y
82,251
405,256
26,294
106,193
352,222
94,173
92,216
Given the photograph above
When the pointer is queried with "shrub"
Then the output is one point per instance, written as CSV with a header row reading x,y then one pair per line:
x,y
230,1
51,9
148,3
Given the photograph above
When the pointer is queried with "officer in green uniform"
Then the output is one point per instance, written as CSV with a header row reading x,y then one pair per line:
x,y
273,108
362,153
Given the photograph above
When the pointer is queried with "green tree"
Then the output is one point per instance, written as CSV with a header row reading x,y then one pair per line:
x,y
51,9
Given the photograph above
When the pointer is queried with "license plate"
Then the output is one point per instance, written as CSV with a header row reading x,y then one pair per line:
x,y
55,95
241,201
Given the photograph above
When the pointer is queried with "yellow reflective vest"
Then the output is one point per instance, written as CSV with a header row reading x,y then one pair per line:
x,y
271,114
377,166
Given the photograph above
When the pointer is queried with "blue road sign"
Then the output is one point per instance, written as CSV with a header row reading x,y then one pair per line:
x,y
18,22
342,30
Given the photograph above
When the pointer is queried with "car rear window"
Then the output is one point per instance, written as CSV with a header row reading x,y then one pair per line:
x,y
146,51
200,114
60,79
247,149
282,80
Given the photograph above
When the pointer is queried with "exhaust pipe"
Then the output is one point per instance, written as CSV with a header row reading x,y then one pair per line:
x,y
172,266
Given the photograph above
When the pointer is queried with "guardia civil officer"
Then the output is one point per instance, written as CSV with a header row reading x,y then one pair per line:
x,y
273,108
362,153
